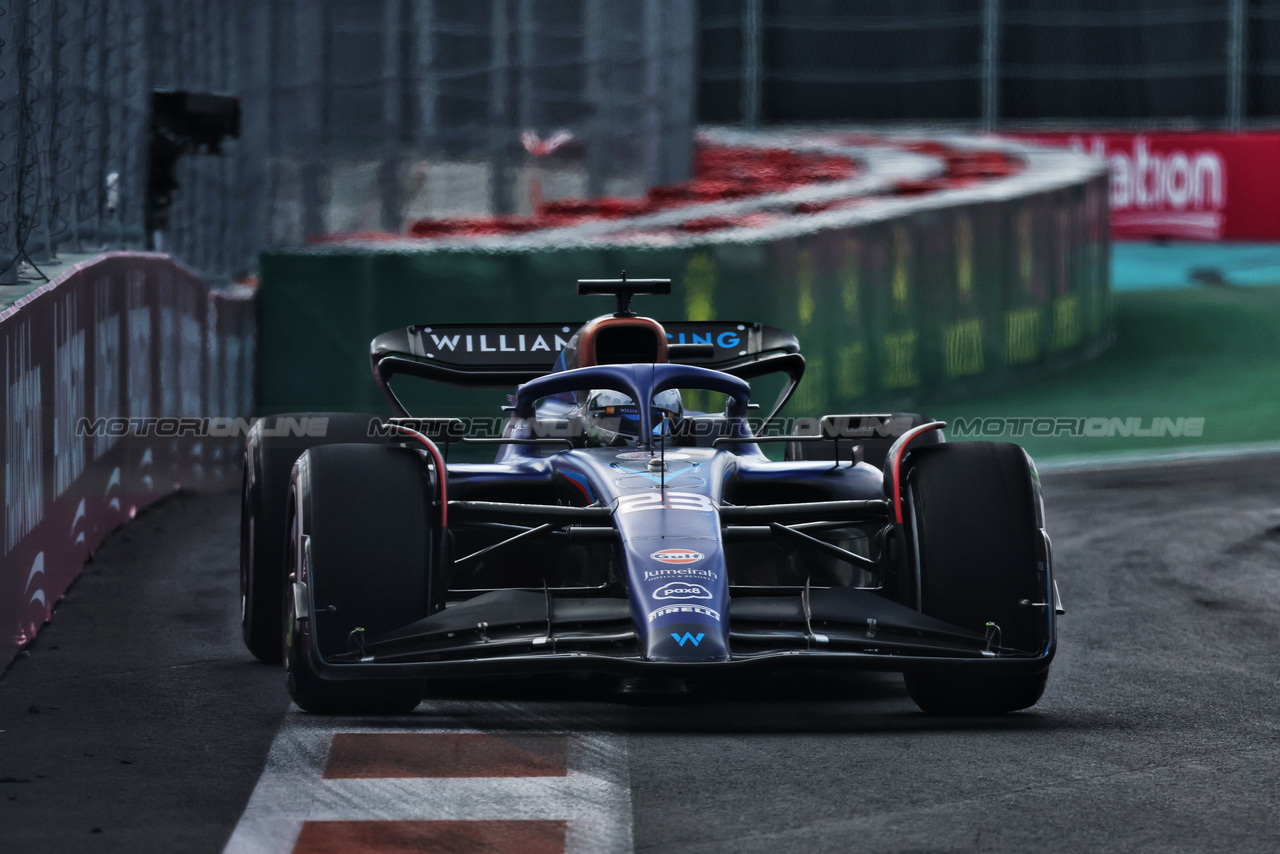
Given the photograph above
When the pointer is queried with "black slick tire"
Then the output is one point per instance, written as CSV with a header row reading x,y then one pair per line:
x,y
362,541
977,524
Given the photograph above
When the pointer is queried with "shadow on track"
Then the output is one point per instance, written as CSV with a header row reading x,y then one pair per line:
x,y
829,703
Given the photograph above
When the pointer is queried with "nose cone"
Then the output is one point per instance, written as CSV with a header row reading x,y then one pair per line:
x,y
686,642
681,601
669,526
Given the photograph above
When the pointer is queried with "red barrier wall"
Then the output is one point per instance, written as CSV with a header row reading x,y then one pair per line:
x,y
125,335
1187,186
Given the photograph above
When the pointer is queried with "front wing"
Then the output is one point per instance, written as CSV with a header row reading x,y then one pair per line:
x,y
531,631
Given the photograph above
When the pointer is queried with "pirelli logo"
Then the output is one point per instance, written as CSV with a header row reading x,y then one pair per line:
x,y
684,609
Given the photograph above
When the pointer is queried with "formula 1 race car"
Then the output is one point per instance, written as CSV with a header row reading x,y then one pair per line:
x,y
619,532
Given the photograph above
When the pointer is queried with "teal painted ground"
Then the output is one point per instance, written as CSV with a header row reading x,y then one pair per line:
x,y
1161,266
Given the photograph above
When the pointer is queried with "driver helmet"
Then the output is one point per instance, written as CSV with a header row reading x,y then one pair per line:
x,y
612,418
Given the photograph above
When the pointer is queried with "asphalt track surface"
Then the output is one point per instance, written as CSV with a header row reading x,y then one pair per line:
x,y
136,722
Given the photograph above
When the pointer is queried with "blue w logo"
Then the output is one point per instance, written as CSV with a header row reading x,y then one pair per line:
x,y
693,639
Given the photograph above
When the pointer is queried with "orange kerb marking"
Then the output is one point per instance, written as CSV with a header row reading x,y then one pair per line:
x,y
378,755
427,837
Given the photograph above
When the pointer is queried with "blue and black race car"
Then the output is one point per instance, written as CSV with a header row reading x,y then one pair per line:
x,y
618,531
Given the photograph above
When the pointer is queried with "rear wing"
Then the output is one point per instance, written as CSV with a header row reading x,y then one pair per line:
x,y
488,355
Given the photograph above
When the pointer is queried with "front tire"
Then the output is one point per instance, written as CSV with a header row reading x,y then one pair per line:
x,y
975,511
363,532
949,694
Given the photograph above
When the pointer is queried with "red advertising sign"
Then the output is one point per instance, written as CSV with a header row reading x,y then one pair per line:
x,y
1187,186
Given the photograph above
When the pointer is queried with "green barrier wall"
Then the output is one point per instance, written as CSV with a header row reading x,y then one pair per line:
x,y
944,299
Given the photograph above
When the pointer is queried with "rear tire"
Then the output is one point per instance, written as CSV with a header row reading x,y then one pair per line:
x,y
975,511
263,532
368,515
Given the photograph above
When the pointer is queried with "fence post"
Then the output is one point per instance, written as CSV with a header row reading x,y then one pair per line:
x,y
652,91
1236,63
595,34
500,62
392,116
675,142
10,109
313,85
54,162
990,64
425,62
752,62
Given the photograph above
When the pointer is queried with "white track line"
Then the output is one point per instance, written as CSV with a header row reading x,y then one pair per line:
x,y
1127,459
594,798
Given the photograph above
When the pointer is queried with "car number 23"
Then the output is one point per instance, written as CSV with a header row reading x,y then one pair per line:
x,y
665,500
